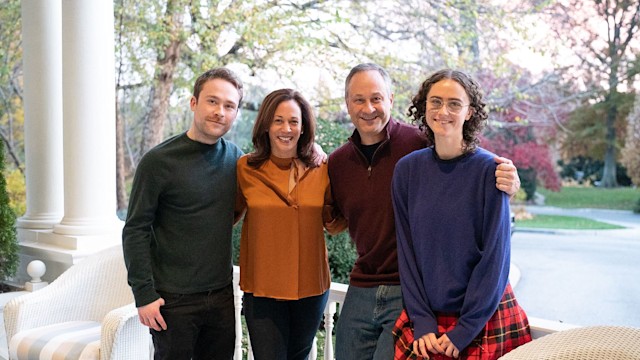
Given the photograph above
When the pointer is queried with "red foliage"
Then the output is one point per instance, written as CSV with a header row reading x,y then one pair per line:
x,y
526,155
521,125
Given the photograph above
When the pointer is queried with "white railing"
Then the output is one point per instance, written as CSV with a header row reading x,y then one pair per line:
x,y
539,327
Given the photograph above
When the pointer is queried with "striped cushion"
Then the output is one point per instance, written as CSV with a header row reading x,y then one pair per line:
x,y
63,341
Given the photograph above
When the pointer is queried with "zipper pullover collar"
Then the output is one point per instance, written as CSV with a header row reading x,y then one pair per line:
x,y
356,140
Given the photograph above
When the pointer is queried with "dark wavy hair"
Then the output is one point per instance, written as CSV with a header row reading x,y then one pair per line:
x,y
218,73
260,138
471,127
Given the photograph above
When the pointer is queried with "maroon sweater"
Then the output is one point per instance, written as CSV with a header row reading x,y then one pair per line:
x,y
362,192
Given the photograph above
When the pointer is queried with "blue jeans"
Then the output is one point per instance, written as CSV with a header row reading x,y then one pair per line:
x,y
366,321
283,329
199,326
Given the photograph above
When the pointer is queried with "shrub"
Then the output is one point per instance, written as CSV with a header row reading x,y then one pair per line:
x,y
331,134
587,170
235,243
8,240
528,182
16,188
636,209
342,256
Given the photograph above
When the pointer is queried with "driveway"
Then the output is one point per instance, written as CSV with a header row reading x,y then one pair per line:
x,y
581,277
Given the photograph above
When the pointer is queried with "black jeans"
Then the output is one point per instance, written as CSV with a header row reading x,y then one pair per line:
x,y
283,329
199,326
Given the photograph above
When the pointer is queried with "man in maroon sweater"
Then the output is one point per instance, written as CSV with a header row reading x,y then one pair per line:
x,y
361,172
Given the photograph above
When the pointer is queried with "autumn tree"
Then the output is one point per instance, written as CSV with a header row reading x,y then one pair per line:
x,y
631,151
163,45
8,241
415,38
475,36
586,130
11,114
603,36
524,118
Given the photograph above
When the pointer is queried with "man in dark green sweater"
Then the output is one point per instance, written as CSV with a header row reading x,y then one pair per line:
x,y
177,236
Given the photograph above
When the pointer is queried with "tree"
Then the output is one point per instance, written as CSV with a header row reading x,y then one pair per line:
x,y
414,38
178,39
586,133
11,115
525,116
631,151
8,241
476,36
171,40
602,35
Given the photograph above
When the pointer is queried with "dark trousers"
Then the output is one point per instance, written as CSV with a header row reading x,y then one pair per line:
x,y
199,326
283,329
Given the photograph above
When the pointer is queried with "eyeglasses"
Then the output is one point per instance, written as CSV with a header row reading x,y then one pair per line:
x,y
453,106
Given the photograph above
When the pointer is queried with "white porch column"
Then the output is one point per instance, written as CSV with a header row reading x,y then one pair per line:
x,y
42,61
89,119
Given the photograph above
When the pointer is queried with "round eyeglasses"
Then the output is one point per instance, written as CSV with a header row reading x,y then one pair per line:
x,y
453,106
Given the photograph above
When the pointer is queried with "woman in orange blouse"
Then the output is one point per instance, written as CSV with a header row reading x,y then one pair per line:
x,y
284,271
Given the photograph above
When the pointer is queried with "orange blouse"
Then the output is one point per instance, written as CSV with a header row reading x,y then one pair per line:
x,y
282,249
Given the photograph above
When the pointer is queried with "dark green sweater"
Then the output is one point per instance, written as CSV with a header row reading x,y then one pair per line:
x,y
177,237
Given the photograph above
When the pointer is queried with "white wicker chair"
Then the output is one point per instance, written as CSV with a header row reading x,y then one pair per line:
x,y
93,290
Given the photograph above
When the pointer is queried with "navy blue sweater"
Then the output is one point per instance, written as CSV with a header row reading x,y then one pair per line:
x,y
453,236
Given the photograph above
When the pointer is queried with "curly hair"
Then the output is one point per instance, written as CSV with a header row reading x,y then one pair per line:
x,y
471,128
260,137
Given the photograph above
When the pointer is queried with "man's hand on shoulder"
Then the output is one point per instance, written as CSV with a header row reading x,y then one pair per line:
x,y
320,155
507,178
150,315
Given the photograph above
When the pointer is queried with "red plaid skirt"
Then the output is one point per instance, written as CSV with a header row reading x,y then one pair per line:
x,y
507,329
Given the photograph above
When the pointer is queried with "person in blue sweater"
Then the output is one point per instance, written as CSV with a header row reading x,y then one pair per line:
x,y
453,233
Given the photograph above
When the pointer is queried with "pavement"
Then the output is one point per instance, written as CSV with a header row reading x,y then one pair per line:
x,y
580,277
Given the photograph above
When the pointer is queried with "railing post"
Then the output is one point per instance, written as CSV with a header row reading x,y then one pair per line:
x,y
329,312
36,269
250,350
237,303
313,354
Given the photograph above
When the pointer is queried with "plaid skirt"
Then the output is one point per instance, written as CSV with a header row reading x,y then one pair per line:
x,y
507,329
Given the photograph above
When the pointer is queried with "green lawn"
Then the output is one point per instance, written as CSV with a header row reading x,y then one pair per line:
x,y
582,197
564,222
592,197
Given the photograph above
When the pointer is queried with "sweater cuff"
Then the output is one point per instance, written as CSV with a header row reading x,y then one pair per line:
x,y
423,326
460,337
145,297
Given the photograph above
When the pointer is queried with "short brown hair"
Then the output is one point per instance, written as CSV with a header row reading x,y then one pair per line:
x,y
260,138
218,73
368,67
